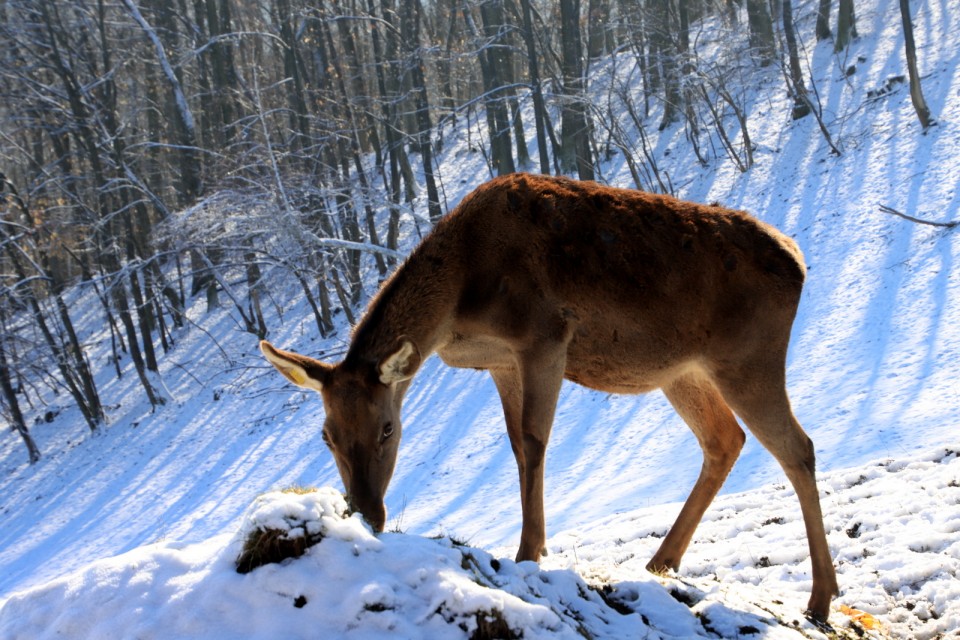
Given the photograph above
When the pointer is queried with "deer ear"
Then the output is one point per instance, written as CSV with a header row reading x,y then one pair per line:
x,y
401,364
300,370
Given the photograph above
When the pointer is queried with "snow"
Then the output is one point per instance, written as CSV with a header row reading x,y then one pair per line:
x,y
745,575
134,532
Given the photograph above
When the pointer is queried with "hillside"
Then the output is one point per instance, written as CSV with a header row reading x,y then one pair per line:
x,y
873,375
893,524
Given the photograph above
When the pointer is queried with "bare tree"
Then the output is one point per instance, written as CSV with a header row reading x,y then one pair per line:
x,y
539,110
10,402
27,261
801,104
823,20
664,52
410,33
846,25
761,30
599,29
575,147
916,92
493,66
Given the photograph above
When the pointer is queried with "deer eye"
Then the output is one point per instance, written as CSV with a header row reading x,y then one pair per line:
x,y
387,431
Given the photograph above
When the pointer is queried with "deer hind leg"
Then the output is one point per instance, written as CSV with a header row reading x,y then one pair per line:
x,y
703,409
758,395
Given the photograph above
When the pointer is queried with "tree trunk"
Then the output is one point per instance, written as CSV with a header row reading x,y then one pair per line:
x,y
392,98
823,20
539,110
410,32
508,75
664,55
492,68
846,26
801,106
67,353
181,114
366,133
255,313
86,382
297,114
89,407
355,149
761,30
10,397
221,113
916,92
223,72
393,144
126,318
575,132
599,29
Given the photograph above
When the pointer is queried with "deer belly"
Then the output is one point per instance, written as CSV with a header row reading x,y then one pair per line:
x,y
615,365
475,352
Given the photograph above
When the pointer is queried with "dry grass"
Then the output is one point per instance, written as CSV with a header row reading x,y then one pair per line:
x,y
264,546
492,626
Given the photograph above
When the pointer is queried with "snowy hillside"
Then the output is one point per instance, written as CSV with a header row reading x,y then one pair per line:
x,y
895,524
873,373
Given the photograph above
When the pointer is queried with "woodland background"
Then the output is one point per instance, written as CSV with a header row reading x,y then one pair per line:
x,y
155,151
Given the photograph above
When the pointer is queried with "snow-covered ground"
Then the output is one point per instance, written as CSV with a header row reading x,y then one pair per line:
x,y
894,525
874,375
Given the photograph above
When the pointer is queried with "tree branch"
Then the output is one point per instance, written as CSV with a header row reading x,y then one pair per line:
x,y
948,225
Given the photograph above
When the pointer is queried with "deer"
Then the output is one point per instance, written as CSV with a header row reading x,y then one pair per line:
x,y
538,279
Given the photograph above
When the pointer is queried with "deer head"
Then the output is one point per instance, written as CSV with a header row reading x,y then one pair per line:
x,y
362,426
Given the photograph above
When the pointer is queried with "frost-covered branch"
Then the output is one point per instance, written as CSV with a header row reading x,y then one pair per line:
x,y
183,109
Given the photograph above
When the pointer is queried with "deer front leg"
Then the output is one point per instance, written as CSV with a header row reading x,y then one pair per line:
x,y
541,375
511,397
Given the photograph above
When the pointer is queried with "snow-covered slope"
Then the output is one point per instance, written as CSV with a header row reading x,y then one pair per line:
x,y
873,374
894,523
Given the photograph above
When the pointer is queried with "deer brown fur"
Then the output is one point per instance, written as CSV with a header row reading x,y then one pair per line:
x,y
537,279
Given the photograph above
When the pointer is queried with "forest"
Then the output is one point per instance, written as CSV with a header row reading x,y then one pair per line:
x,y
153,151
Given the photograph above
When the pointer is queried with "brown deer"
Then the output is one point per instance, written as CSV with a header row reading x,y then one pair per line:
x,y
537,279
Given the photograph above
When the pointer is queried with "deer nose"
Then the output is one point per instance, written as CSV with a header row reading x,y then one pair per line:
x,y
377,520
375,513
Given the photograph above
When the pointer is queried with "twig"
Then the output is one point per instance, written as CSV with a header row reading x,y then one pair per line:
x,y
948,225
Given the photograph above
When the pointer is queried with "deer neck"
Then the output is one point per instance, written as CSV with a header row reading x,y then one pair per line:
x,y
415,303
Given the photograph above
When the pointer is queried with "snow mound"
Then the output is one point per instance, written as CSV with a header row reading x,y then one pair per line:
x,y
350,582
282,524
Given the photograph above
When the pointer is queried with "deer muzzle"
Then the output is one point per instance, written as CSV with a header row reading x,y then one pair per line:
x,y
372,508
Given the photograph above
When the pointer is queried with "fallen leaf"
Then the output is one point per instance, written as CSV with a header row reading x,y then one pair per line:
x,y
862,618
